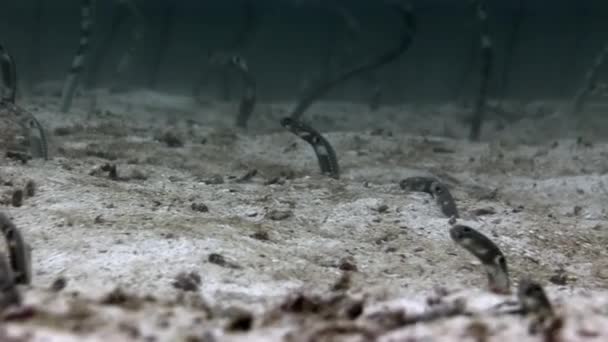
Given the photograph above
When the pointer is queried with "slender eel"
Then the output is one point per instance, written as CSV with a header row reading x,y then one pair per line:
x,y
512,43
590,82
248,100
488,253
118,17
137,34
9,76
18,250
487,59
34,50
533,299
435,188
405,41
535,304
242,38
9,295
71,82
165,37
323,149
30,126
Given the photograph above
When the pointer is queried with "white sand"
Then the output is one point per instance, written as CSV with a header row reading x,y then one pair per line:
x,y
146,231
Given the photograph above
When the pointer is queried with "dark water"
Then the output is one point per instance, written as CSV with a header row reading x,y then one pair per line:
x,y
292,40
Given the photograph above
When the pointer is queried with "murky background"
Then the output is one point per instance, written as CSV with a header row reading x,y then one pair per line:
x,y
290,42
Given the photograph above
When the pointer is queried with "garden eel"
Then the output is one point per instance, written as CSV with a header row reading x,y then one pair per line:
x,y
323,149
18,251
488,253
122,9
591,81
406,38
137,35
86,25
248,100
435,188
26,120
487,59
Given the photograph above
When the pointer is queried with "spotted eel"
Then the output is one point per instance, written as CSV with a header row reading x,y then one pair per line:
x,y
407,34
30,126
248,100
323,149
71,82
18,251
487,60
487,252
435,188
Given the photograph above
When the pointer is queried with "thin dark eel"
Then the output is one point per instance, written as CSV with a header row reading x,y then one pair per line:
x,y
35,46
18,251
326,155
512,43
248,100
165,37
314,94
9,294
590,82
137,34
71,82
26,120
435,188
119,14
532,298
487,60
9,76
488,253
244,35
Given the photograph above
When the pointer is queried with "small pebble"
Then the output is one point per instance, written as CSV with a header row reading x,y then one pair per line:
x,y
279,215
17,198
187,281
200,207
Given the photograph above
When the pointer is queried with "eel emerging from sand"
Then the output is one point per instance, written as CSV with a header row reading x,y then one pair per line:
x,y
249,93
31,127
326,155
71,82
407,34
435,188
488,253
487,61
18,251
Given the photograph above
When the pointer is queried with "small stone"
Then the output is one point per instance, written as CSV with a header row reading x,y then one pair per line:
x,y
30,188
559,278
279,215
484,211
217,259
59,284
240,320
214,179
99,219
17,198
382,208
200,207
187,281
348,264
171,140
261,235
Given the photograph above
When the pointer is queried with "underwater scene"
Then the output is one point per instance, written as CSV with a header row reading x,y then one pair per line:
x,y
304,170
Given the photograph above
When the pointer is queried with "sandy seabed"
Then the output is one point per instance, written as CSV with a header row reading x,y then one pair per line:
x,y
211,233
